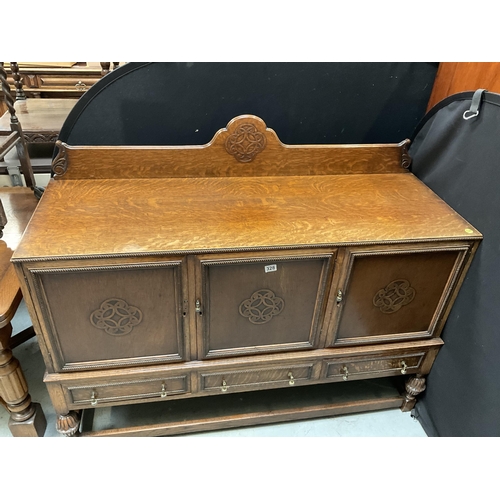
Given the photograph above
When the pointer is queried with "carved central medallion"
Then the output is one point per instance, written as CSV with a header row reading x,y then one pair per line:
x,y
394,296
245,142
116,317
261,307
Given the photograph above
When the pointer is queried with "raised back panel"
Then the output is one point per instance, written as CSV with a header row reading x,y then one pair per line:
x,y
245,148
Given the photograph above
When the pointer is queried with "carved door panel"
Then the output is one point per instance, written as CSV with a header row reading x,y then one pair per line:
x,y
112,315
260,303
395,294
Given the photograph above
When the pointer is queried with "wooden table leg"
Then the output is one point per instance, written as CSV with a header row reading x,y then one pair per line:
x,y
26,418
414,386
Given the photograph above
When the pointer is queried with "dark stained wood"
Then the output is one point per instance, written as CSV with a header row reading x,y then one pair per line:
x,y
226,381
44,80
21,337
358,367
389,295
105,67
454,77
119,386
14,130
42,119
69,424
119,320
414,386
17,81
159,388
3,218
241,265
129,374
223,157
284,298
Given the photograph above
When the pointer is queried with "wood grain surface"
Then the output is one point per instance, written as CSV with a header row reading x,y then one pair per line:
x,y
19,204
88,217
39,115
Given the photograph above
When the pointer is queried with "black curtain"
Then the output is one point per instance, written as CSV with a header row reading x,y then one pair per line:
x,y
305,103
460,161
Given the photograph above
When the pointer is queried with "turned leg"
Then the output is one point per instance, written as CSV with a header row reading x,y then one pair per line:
x,y
26,419
414,386
69,424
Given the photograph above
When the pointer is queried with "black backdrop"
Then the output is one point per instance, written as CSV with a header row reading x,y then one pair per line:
x,y
305,103
460,160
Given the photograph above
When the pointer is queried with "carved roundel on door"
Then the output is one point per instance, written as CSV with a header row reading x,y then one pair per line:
x,y
116,317
394,296
261,307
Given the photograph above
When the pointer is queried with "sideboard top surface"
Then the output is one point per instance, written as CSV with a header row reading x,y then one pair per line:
x,y
193,215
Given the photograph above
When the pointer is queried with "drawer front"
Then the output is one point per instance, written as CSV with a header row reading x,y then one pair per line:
x,y
376,366
393,295
158,388
105,316
74,82
28,81
260,304
251,379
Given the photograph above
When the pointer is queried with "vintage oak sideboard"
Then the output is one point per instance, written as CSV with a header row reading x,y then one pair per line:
x,y
183,274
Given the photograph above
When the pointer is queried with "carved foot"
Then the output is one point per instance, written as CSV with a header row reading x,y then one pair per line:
x,y
68,425
414,386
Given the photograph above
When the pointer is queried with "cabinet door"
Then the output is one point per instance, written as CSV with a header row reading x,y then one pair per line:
x,y
112,315
260,304
393,294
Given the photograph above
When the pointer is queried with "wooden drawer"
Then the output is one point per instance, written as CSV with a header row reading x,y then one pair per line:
x,y
251,379
67,82
98,394
372,366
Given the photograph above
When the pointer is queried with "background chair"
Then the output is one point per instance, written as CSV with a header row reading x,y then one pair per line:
x,y
41,120
18,203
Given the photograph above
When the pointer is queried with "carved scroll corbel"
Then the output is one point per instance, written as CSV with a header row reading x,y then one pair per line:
x,y
60,163
405,156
